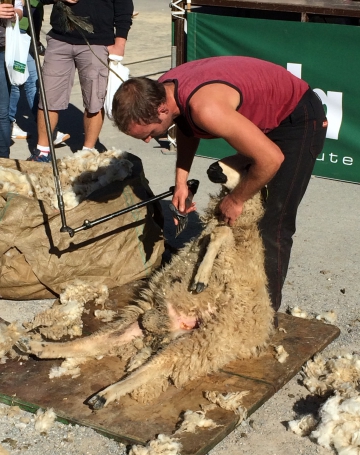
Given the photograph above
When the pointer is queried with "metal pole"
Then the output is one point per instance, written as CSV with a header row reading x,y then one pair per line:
x,y
89,224
59,194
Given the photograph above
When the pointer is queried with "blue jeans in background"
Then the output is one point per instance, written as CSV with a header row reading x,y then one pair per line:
x,y
5,130
31,91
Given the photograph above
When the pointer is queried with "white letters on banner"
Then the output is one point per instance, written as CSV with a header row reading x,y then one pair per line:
x,y
332,101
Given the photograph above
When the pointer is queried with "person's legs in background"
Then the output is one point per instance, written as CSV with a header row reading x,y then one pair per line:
x,y
31,86
93,76
301,138
92,127
16,131
5,130
58,75
32,96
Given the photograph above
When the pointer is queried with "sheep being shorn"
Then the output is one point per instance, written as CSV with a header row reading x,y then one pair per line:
x,y
205,308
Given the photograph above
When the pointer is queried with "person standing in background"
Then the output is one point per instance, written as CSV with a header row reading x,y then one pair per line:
x,y
67,50
31,85
7,12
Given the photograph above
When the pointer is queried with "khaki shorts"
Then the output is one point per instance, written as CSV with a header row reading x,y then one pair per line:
x,y
61,60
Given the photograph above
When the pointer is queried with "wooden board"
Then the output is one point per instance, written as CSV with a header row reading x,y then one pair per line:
x,y
27,385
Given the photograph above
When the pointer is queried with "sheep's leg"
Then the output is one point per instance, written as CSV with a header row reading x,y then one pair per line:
x,y
152,371
181,357
100,343
219,235
182,360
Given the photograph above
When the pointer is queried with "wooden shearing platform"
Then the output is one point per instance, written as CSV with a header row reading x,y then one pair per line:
x,y
27,385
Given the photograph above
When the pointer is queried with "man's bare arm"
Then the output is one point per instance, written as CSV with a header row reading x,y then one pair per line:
x,y
213,108
186,149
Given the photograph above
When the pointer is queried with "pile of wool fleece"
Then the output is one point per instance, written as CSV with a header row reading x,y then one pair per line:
x,y
162,445
80,175
337,372
63,318
231,401
338,424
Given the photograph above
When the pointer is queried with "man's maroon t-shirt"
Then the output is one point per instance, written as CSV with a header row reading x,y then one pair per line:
x,y
268,92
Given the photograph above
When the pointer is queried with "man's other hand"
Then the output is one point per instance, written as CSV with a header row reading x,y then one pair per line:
x,y
230,209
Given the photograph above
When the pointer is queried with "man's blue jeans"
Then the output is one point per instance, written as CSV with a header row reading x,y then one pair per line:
x,y
4,109
31,91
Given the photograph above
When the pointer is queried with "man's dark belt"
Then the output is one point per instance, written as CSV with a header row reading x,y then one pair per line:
x,y
2,48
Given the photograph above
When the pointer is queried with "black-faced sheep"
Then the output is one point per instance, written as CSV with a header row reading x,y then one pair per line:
x,y
207,307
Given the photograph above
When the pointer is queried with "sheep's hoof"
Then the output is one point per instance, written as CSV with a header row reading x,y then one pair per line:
x,y
198,287
97,402
24,345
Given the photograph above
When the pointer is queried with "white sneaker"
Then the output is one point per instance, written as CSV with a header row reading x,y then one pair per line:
x,y
61,137
17,132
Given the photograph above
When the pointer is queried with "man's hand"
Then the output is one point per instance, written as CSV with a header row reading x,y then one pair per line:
x,y
118,48
7,11
180,201
230,209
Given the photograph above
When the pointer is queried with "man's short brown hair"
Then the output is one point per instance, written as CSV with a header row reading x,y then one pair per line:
x,y
137,100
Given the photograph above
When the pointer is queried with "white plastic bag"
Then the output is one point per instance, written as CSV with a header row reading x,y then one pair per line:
x,y
16,53
114,82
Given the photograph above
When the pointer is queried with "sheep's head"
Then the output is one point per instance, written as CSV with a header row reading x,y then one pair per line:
x,y
228,171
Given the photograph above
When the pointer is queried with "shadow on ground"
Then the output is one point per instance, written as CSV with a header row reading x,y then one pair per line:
x,y
70,121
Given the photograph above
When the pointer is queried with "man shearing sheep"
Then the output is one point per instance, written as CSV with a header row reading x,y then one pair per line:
x,y
272,119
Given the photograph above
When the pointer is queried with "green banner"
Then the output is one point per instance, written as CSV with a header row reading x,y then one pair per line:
x,y
325,55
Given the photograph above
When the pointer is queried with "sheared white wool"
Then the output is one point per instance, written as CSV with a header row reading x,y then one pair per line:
x,y
65,319
340,425
303,426
13,181
69,367
59,320
298,312
281,329
44,420
281,355
231,401
9,335
193,420
80,175
328,316
83,291
163,445
105,315
340,372
20,425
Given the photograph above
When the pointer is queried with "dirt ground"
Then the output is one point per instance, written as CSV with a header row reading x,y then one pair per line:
x,y
323,273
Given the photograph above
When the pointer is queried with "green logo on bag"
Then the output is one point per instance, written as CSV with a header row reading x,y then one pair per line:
x,y
19,67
